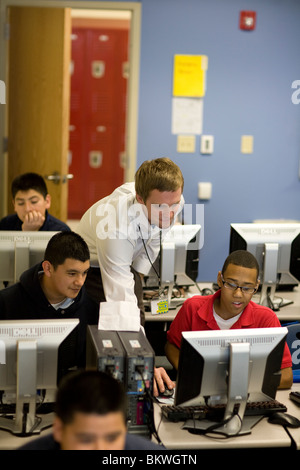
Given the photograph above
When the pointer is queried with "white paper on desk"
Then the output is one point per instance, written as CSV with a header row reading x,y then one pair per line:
x,y
119,316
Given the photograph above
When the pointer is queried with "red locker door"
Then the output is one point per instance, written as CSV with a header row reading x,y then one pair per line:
x,y
103,85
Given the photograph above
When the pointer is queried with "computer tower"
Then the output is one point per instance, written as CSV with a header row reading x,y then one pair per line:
x,y
139,371
129,357
105,352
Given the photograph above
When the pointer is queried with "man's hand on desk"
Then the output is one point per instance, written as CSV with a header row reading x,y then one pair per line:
x,y
161,381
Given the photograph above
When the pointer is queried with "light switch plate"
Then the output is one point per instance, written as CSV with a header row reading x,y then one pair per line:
x,y
207,144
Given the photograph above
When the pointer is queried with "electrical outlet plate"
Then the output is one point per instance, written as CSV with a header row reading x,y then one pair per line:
x,y
247,144
186,143
204,190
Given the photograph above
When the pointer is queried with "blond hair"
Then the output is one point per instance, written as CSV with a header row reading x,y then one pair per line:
x,y
161,174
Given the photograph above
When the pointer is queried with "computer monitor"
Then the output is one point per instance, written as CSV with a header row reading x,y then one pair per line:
x,y
19,251
276,247
31,364
177,265
229,367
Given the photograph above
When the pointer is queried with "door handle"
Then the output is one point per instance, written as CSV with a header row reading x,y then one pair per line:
x,y
56,177
67,177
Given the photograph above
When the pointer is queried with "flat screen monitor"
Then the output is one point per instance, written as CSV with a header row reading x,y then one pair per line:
x,y
177,265
276,247
230,367
19,251
31,364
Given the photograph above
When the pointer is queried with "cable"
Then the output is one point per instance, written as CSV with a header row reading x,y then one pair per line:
x,y
145,248
213,429
293,443
150,414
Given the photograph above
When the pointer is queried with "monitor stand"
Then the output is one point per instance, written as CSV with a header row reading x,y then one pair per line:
x,y
270,280
25,421
234,423
269,299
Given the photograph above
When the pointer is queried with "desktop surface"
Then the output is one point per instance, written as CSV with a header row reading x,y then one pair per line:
x,y
287,313
263,435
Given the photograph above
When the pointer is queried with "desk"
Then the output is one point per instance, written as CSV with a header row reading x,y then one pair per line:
x,y
285,314
263,435
10,442
293,409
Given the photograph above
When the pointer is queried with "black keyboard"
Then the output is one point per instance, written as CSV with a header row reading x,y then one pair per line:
x,y
182,413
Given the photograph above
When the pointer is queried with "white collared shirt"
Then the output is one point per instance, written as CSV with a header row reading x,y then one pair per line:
x,y
113,229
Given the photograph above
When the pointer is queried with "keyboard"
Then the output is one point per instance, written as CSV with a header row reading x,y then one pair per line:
x,y
175,413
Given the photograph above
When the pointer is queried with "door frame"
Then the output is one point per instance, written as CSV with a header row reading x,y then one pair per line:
x,y
133,81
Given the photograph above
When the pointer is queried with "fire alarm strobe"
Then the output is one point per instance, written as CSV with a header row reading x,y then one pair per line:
x,y
247,20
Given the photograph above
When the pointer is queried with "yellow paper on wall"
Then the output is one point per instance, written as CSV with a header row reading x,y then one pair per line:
x,y
189,76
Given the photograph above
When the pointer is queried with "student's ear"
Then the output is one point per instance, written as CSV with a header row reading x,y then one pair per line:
x,y
48,201
219,279
47,268
57,429
139,199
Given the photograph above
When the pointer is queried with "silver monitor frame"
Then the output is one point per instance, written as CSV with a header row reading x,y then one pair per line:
x,y
235,365
19,251
29,363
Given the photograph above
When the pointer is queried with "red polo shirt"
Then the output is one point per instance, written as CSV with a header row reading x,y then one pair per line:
x,y
196,314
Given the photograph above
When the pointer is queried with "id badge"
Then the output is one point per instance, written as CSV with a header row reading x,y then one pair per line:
x,y
159,306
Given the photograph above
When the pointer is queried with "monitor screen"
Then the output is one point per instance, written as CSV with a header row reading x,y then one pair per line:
x,y
229,367
19,251
276,246
177,265
31,364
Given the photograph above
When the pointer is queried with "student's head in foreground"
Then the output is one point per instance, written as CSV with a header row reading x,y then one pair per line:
x,y
90,412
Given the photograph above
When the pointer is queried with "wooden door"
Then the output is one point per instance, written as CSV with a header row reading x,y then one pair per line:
x,y
38,98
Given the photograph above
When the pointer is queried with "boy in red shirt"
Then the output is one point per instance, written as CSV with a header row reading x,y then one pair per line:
x,y
229,307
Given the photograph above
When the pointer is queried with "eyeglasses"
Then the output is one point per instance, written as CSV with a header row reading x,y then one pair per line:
x,y
244,289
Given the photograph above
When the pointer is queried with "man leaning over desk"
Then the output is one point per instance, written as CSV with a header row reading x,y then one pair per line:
x,y
124,232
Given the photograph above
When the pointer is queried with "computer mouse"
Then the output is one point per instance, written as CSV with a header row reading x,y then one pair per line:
x,y
166,394
284,419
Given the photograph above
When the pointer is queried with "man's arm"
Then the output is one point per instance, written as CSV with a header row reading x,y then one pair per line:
x,y
115,258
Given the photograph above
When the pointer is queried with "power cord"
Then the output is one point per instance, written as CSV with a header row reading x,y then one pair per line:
x,y
150,412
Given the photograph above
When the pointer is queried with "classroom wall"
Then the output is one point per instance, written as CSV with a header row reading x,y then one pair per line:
x,y
249,90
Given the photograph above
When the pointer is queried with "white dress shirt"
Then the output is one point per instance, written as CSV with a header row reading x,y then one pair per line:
x,y
114,229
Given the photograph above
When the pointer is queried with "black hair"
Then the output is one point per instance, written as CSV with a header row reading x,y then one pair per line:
x,y
89,392
241,258
28,181
66,244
